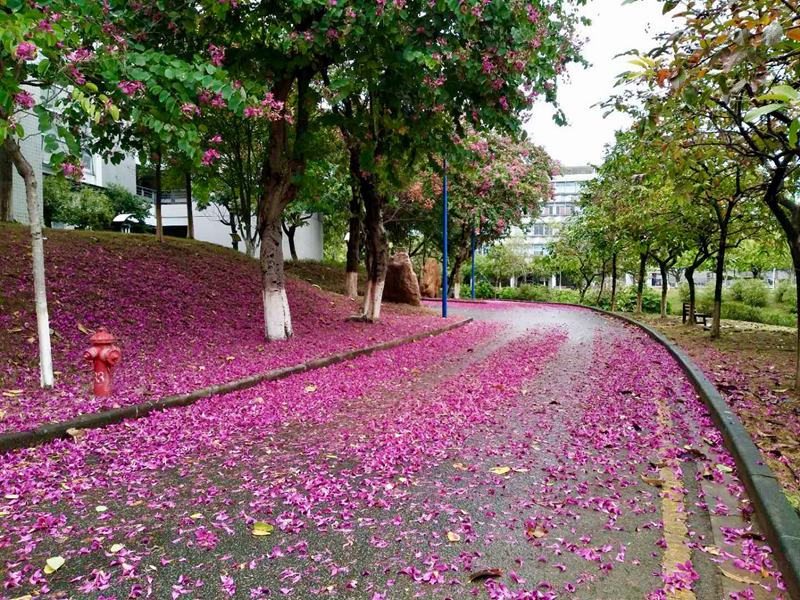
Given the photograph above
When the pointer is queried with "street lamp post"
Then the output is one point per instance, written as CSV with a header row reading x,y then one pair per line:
x,y
472,274
444,243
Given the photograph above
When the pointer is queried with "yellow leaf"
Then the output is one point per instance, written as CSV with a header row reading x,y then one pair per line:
x,y
460,466
11,496
100,508
196,516
260,528
116,548
793,33
739,578
724,468
53,564
500,470
537,532
82,328
310,388
453,536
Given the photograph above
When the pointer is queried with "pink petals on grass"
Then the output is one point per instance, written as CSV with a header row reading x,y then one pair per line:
x,y
188,315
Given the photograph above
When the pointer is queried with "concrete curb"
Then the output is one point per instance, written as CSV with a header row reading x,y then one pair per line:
x,y
49,431
779,521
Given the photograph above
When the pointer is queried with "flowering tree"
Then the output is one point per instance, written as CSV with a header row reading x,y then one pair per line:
x,y
497,184
75,70
424,72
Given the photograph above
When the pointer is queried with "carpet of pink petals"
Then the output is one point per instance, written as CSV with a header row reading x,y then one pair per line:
x,y
152,474
188,315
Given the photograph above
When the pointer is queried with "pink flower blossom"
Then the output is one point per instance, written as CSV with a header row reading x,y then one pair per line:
x,y
210,156
190,110
80,55
217,139
72,170
131,88
26,51
217,54
24,99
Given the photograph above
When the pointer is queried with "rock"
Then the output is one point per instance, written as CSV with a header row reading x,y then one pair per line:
x,y
431,278
401,281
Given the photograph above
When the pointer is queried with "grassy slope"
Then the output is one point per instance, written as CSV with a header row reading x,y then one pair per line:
x,y
188,314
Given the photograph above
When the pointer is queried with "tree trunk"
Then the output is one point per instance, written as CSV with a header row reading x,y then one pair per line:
x,y
689,274
796,260
663,268
5,185
640,283
189,208
719,275
290,231
377,250
277,319
602,283
250,247
614,282
279,172
37,252
159,222
354,228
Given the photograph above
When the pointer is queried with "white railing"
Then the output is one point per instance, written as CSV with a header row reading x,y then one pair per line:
x,y
167,196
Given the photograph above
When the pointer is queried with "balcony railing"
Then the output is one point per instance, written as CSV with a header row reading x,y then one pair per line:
x,y
167,196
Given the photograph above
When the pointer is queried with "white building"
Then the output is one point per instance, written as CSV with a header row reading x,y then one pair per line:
x,y
208,223
567,190
97,172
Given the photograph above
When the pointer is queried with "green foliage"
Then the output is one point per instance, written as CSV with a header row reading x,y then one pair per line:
x,y
753,292
683,291
484,289
86,207
786,294
626,299
124,202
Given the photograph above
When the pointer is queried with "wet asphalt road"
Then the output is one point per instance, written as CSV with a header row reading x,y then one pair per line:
x,y
574,508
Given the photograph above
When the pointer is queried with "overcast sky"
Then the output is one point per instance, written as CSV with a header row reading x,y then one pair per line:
x,y
615,29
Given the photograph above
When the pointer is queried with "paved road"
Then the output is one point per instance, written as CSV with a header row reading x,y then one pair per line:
x,y
563,450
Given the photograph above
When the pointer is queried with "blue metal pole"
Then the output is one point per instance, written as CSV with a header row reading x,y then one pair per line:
x,y
444,244
472,275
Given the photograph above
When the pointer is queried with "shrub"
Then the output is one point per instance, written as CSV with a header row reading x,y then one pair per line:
x,y
626,300
508,293
569,296
786,293
753,292
683,291
483,289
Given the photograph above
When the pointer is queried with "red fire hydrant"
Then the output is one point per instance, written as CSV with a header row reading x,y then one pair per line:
x,y
105,355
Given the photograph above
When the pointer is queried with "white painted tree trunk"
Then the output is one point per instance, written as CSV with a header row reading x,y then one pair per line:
x,y
351,284
277,318
457,290
372,301
37,253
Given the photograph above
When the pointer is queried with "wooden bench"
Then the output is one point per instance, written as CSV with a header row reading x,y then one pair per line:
x,y
698,316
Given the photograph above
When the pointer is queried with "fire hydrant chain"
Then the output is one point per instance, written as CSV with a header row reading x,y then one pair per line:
x,y
104,355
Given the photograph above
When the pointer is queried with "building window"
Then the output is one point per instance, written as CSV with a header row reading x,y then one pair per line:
x,y
541,229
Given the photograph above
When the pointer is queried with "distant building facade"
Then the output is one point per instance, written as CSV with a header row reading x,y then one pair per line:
x,y
209,223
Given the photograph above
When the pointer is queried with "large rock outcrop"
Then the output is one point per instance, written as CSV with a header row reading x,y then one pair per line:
x,y
401,281
431,278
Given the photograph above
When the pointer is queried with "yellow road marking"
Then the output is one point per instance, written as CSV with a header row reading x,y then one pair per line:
x,y
676,534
